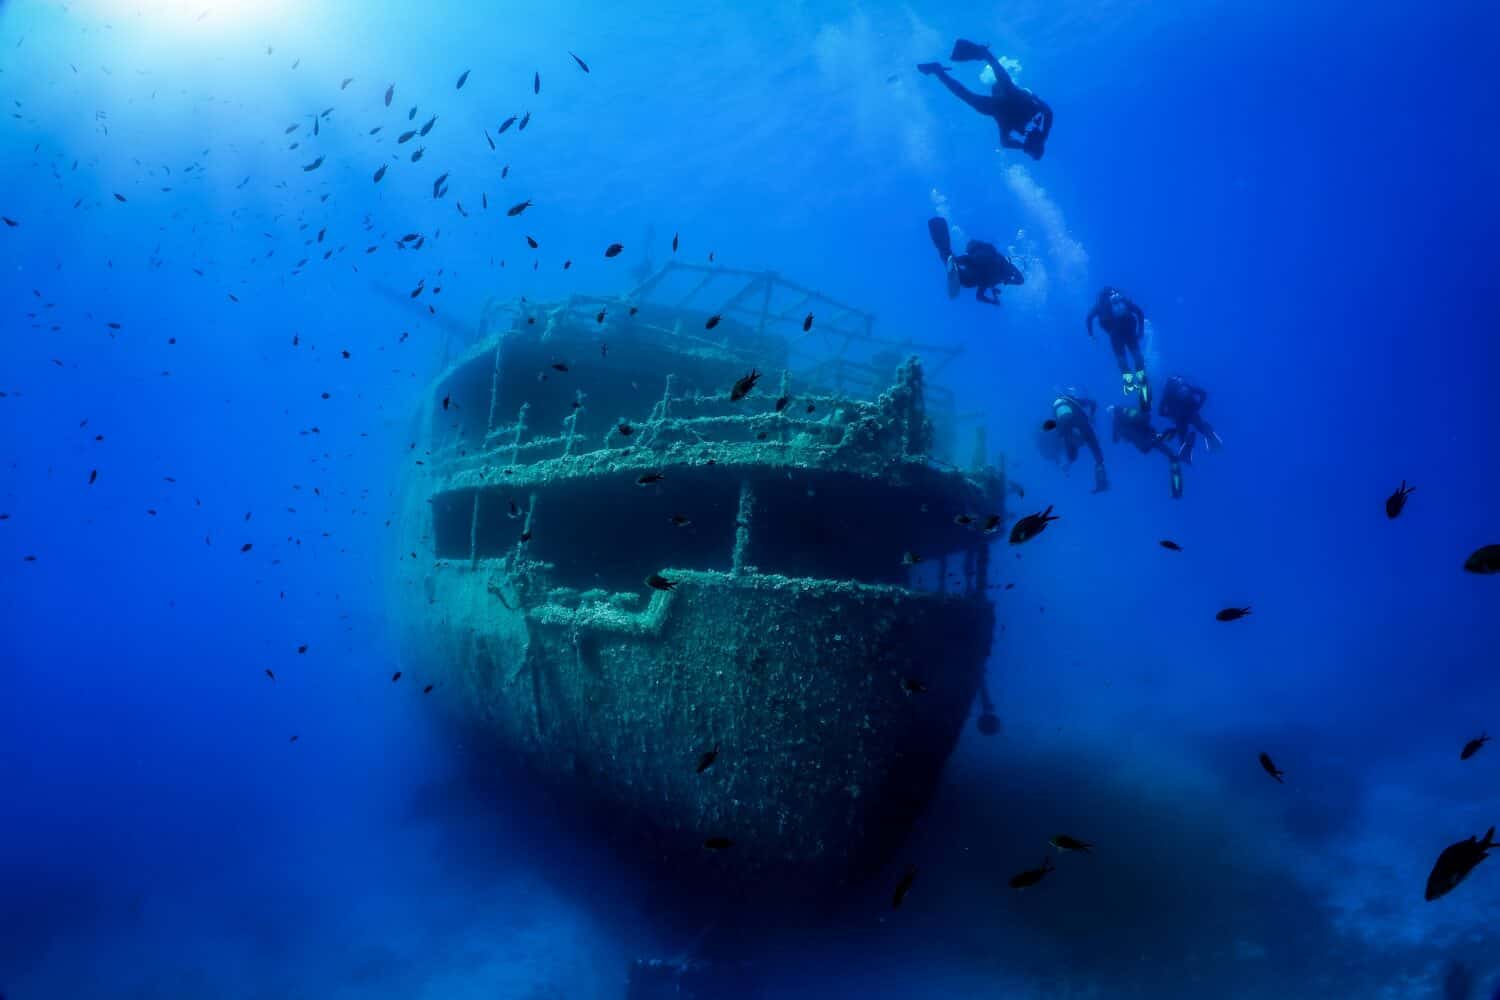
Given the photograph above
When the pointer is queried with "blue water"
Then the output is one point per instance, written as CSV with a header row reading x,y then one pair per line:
x,y
1303,200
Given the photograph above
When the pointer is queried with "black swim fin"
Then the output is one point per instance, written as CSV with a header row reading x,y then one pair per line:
x,y
967,51
937,228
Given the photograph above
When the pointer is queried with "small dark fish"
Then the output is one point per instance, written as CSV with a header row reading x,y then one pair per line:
x,y
463,78
395,677
718,843
674,242
713,321
390,92
743,385
581,64
1270,768
647,478
1473,746
1032,876
247,547
518,208
807,323
438,184
447,400
1232,614
488,139
811,407
293,739
560,366
93,476
1455,863
613,250
963,520
599,316
119,196
1049,425
1063,842
1170,545
679,520
707,760
427,125
525,120
505,171
903,886
781,402
270,675
427,689
379,173
505,125
536,82
291,128
625,429
412,114
347,80
302,649
658,582
417,153
515,511
914,686
12,223
1029,526
314,165
406,137
531,242
1485,561
1397,500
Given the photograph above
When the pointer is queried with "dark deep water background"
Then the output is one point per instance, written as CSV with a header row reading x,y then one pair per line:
x,y
1303,199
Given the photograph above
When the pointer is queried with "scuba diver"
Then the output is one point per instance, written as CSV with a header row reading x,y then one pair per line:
x,y
1072,426
1133,425
1182,403
1025,120
981,266
1125,323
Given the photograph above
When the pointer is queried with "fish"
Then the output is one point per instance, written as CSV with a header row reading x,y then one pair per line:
x,y
1396,502
427,125
1455,864
531,242
505,171
427,689
811,407
743,385
395,677
406,137
417,154
807,323
412,114
903,886
781,402
712,321
293,739
447,400
706,761
560,366
599,316
679,520
437,185
625,429
379,173
658,582
94,475
119,196
1049,425
963,520
581,64
1232,614
1473,746
302,649
463,78
247,547
1170,545
291,128
613,250
1485,561
718,843
1269,766
1063,842
314,165
525,120
1032,876
12,223
518,208
674,242
536,82
390,92
505,125
270,675
1029,526
347,80
488,139
647,478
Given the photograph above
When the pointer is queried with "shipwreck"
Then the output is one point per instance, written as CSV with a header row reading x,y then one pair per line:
x,y
778,701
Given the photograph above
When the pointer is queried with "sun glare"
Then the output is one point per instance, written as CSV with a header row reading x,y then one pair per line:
x,y
187,15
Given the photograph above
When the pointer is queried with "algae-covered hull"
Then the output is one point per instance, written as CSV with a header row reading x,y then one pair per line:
x,y
780,703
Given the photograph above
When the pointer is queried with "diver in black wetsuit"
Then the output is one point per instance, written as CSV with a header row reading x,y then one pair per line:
x,y
1125,323
1073,414
981,266
1182,403
1025,120
1133,425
